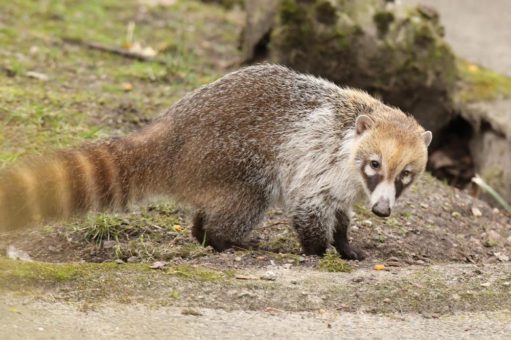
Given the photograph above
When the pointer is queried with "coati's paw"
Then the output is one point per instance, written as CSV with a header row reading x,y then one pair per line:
x,y
220,244
350,253
314,249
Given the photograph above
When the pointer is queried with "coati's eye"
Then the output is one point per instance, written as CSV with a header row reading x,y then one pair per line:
x,y
406,177
375,165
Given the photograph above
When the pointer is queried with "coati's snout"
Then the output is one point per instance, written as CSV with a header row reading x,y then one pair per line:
x,y
382,198
381,209
389,158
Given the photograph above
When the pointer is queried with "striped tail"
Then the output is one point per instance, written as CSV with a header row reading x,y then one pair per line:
x,y
103,176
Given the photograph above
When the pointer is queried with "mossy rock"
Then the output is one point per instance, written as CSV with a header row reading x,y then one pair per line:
x,y
395,53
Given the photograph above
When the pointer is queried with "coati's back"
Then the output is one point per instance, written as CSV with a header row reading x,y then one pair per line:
x,y
213,138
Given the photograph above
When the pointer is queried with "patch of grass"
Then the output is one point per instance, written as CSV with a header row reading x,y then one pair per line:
x,y
36,271
363,211
103,227
18,274
331,262
480,84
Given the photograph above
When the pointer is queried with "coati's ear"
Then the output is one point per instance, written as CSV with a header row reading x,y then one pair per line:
x,y
363,123
428,136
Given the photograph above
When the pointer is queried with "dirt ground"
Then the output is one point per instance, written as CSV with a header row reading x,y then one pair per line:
x,y
64,321
433,223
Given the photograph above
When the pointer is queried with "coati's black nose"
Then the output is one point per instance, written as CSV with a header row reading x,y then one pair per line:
x,y
381,208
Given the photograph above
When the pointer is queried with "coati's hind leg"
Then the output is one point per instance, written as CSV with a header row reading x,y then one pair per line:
x,y
341,241
198,227
229,226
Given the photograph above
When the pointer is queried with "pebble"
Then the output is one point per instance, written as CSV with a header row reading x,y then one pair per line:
x,y
108,244
455,214
237,259
132,259
287,266
37,75
119,261
501,257
494,236
17,254
269,276
246,294
158,265
476,212
367,223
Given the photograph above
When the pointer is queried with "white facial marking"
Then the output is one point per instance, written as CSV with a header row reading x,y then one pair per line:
x,y
368,169
385,191
407,179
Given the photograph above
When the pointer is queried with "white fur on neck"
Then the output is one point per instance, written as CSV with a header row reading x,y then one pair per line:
x,y
317,167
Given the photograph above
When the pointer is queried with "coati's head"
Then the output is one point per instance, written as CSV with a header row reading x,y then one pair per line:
x,y
391,152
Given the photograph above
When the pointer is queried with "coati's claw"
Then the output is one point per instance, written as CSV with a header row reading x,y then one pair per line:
x,y
353,254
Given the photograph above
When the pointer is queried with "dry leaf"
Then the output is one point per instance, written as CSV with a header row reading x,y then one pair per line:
x,y
379,267
473,68
127,86
158,265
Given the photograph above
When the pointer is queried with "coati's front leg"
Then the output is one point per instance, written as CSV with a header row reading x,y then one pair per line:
x,y
341,241
312,229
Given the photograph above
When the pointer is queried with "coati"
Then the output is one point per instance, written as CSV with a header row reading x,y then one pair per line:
x,y
258,137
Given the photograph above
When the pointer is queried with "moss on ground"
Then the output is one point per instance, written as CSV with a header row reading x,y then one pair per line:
x,y
427,290
481,84
331,262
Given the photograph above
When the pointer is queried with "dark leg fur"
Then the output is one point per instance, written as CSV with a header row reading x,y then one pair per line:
x,y
311,230
228,228
341,238
198,227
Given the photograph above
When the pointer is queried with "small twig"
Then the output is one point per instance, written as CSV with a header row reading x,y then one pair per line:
x,y
113,50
